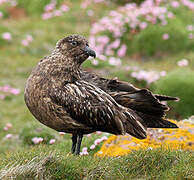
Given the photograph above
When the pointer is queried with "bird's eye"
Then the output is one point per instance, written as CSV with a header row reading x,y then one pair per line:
x,y
74,43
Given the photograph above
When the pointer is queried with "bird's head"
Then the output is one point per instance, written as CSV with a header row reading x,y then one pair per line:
x,y
75,48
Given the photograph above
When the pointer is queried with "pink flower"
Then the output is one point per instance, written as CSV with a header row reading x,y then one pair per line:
x,y
115,44
64,8
154,20
114,61
7,36
24,42
2,96
29,38
88,135
103,39
5,128
49,7
4,88
9,125
92,146
183,62
162,17
163,73
165,36
102,57
62,133
98,132
134,74
14,91
8,89
97,141
122,51
57,13
143,25
163,10
191,5
46,16
9,136
90,12
84,4
170,15
133,25
84,153
191,36
187,3
95,62
149,18
164,22
98,1
37,140
104,138
109,51
84,149
190,27
114,13
148,76
175,4
52,141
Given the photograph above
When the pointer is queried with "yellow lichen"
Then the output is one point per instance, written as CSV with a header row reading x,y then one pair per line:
x,y
178,139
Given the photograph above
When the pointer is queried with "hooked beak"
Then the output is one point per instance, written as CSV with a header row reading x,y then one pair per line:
x,y
89,51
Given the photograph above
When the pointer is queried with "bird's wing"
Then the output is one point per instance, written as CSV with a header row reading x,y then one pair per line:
x,y
127,95
114,85
93,107
121,86
146,104
142,101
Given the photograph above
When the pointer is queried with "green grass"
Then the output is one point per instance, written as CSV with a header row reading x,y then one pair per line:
x,y
179,83
18,157
54,163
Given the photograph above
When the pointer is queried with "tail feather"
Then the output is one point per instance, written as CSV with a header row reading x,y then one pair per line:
x,y
156,122
141,100
166,98
147,106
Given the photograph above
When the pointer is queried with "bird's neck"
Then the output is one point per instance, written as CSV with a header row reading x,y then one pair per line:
x,y
58,67
71,74
65,69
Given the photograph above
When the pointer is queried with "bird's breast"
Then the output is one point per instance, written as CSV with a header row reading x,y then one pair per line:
x,y
44,109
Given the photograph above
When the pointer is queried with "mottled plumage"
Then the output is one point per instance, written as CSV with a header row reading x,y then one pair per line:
x,y
64,97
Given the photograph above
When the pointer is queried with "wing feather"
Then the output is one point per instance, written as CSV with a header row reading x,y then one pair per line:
x,y
93,107
90,105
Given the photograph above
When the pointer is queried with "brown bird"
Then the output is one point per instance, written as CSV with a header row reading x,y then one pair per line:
x,y
66,98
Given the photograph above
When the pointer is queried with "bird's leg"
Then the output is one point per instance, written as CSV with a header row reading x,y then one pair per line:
x,y
79,141
74,142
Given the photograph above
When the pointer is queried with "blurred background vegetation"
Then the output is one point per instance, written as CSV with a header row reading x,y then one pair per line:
x,y
148,43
